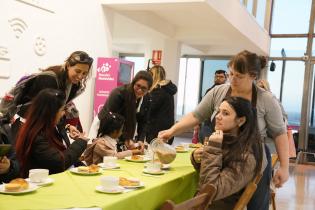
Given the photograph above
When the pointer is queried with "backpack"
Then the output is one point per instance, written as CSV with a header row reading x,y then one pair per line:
x,y
11,102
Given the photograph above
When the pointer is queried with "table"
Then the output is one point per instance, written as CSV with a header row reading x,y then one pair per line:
x,y
70,190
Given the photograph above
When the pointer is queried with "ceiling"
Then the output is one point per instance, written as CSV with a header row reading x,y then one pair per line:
x,y
199,25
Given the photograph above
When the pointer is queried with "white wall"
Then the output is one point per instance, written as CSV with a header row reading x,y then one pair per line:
x,y
73,25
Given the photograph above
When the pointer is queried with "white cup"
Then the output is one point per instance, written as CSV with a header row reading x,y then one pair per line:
x,y
38,175
109,182
110,161
154,167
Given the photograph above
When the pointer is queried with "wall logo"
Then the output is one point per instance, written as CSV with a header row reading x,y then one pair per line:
x,y
18,26
40,46
105,68
4,53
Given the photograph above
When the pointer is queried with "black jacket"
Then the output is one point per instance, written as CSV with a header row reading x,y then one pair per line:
x,y
122,101
45,155
157,111
42,82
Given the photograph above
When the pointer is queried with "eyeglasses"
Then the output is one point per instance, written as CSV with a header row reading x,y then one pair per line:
x,y
83,58
237,76
140,87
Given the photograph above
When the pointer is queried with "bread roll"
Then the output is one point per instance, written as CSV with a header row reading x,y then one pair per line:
x,y
23,184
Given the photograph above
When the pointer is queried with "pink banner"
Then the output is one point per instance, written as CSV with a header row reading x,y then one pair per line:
x,y
105,81
110,73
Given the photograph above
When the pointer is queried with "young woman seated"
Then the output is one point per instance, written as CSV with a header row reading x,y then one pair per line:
x,y
111,127
233,154
41,142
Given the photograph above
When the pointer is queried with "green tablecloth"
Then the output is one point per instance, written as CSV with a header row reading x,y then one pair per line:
x,y
70,190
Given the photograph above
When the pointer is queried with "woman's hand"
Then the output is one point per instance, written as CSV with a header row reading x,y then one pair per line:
x,y
4,165
216,136
165,135
197,154
73,131
75,134
280,177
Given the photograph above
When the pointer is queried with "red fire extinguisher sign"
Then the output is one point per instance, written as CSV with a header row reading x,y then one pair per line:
x,y
156,57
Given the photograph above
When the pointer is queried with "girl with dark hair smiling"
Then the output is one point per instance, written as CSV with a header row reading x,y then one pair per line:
x,y
70,78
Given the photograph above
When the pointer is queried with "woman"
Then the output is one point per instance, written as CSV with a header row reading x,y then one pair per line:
x,y
244,68
126,101
70,78
41,143
233,156
158,106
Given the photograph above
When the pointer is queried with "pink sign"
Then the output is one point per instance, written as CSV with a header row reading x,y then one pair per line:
x,y
110,73
105,81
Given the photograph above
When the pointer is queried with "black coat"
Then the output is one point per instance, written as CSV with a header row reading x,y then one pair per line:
x,y
122,101
45,155
157,112
42,82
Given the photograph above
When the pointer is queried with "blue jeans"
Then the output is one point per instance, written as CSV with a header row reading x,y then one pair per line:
x,y
260,199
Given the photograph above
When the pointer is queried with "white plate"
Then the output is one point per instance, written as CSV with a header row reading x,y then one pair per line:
x,y
141,184
102,165
31,188
153,173
182,151
46,182
75,171
115,190
145,159
164,166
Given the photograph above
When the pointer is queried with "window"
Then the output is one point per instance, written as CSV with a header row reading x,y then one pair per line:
x,y
291,17
188,88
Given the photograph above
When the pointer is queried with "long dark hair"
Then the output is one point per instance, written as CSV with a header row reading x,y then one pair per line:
x,y
40,120
109,123
131,103
248,138
77,57
248,62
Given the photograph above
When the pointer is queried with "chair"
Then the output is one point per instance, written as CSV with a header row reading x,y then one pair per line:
x,y
247,194
251,188
274,160
198,202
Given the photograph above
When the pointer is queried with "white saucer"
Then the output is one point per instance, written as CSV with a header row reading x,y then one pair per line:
x,y
153,172
182,151
143,160
75,171
115,190
31,188
141,184
104,166
46,182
